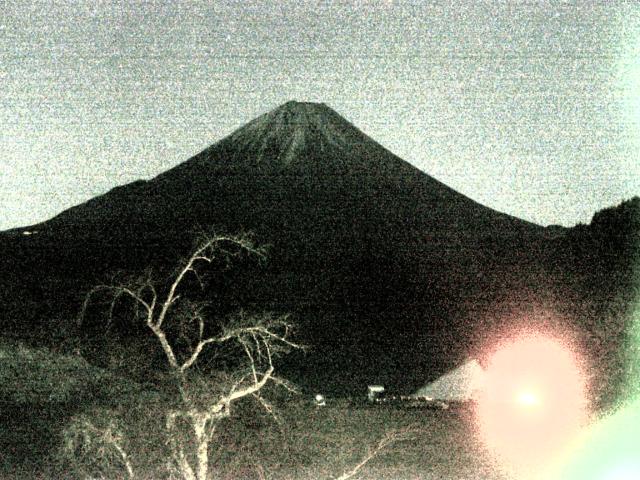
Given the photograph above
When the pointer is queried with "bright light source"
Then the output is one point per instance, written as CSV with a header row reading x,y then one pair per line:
x,y
533,403
528,399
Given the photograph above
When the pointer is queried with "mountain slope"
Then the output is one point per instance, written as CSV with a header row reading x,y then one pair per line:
x,y
309,144
298,174
391,275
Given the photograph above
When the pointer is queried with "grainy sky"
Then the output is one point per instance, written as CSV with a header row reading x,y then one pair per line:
x,y
531,108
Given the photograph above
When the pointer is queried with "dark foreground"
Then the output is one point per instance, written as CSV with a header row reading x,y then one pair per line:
x,y
42,393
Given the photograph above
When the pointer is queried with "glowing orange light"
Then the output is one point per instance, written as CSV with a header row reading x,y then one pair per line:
x,y
528,399
534,400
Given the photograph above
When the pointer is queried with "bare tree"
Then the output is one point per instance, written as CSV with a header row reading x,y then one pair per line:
x,y
259,338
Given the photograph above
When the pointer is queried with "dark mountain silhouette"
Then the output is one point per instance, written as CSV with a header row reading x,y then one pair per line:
x,y
301,161
391,275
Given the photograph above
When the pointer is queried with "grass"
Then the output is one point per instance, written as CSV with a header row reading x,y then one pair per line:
x,y
43,392
324,442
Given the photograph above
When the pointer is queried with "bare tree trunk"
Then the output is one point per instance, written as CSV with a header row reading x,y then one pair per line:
x,y
199,426
178,452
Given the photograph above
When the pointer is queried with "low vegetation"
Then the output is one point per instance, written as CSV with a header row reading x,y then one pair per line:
x,y
40,392
44,431
212,407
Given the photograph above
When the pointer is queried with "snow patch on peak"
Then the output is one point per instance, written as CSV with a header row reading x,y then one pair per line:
x,y
282,135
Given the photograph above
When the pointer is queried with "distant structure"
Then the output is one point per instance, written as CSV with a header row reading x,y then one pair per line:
x,y
459,385
374,393
320,401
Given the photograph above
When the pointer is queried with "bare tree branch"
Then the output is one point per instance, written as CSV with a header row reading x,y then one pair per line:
x,y
261,334
206,252
105,441
269,408
252,362
387,440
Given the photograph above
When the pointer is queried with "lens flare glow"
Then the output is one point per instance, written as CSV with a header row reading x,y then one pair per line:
x,y
533,403
528,399
623,472
609,450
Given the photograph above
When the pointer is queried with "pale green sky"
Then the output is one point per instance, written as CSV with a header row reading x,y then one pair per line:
x,y
531,108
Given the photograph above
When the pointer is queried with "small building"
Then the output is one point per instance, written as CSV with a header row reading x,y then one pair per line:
x,y
374,393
